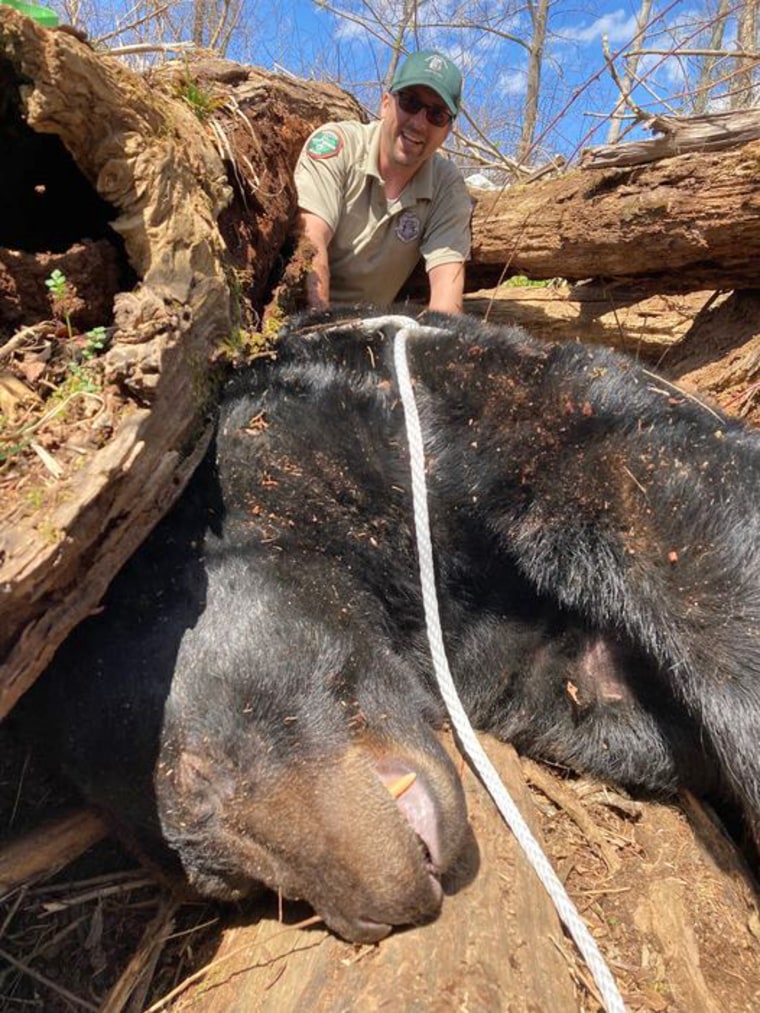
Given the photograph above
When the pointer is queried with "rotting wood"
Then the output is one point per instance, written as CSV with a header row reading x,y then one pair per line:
x,y
200,267
720,355
679,225
146,157
642,325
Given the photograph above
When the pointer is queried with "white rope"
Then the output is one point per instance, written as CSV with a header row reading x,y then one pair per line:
x,y
469,743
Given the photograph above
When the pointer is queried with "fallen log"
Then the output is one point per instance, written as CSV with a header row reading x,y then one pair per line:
x,y
720,355
681,224
162,178
91,149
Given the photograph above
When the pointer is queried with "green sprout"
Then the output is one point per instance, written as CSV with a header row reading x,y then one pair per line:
x,y
201,100
97,339
60,295
57,284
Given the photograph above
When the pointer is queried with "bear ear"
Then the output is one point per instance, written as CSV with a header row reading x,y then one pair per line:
x,y
193,784
193,772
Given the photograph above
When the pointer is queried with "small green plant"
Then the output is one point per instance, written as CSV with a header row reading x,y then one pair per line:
x,y
57,284
522,281
61,296
97,339
80,379
201,100
35,498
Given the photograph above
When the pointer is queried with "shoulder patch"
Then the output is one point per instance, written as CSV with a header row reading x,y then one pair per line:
x,y
325,144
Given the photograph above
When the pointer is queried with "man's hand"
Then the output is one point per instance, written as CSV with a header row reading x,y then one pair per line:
x,y
319,234
446,288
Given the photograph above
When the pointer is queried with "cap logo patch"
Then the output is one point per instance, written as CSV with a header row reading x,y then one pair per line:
x,y
436,63
325,144
407,227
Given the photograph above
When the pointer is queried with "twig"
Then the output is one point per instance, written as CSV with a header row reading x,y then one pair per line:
x,y
579,973
152,47
14,908
59,989
625,97
567,802
682,393
47,459
135,979
25,430
633,478
131,26
97,894
18,339
135,875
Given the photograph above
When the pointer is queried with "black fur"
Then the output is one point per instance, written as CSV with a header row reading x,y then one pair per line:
x,y
597,541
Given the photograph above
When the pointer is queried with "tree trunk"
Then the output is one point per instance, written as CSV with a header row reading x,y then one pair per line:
x,y
681,224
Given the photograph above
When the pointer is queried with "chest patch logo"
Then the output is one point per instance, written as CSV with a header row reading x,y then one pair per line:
x,y
408,227
325,144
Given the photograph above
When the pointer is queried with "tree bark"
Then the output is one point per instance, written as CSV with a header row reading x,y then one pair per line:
x,y
682,224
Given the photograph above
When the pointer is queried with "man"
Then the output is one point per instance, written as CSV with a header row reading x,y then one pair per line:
x,y
374,197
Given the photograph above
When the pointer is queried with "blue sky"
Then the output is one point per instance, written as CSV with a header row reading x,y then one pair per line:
x,y
308,39
577,91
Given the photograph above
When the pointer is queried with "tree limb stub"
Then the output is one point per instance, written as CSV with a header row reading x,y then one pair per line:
x,y
711,132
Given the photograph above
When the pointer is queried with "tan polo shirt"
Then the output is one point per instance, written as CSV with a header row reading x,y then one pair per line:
x,y
377,243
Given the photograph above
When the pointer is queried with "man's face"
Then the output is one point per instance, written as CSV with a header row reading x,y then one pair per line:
x,y
410,139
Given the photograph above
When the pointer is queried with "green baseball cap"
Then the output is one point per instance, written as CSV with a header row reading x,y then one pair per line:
x,y
435,71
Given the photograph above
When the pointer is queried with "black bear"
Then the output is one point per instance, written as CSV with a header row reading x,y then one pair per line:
x,y
258,683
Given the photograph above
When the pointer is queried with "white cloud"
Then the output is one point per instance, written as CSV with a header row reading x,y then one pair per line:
x,y
345,29
511,83
619,26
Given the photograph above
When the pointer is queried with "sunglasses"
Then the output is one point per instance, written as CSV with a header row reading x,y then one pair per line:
x,y
437,116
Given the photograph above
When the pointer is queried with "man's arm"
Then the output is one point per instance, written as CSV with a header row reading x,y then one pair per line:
x,y
319,234
446,287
